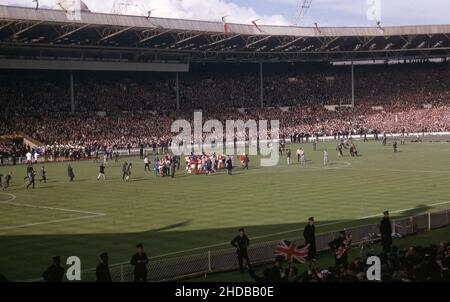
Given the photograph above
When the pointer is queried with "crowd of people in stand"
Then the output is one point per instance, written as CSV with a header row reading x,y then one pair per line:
x,y
412,264
10,149
124,111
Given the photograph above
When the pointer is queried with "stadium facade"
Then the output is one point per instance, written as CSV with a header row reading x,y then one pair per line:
x,y
51,39
44,33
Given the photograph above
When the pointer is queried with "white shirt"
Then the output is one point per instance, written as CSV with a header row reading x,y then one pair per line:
x,y
28,156
146,160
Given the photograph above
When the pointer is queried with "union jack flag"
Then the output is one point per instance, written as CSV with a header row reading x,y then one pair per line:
x,y
291,252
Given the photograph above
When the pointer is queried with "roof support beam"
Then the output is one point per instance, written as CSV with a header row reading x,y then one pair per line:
x,y
5,25
146,36
287,44
366,43
113,33
328,43
185,37
22,27
68,30
255,40
216,40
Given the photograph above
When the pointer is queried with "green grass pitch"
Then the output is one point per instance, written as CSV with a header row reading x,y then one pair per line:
x,y
192,213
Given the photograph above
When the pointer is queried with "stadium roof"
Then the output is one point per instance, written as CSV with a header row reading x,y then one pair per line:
x,y
46,33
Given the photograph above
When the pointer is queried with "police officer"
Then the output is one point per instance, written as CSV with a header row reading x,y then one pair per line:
x,y
241,243
102,271
386,232
140,261
309,233
54,273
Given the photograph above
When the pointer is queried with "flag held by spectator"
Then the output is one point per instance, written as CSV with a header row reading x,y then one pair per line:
x,y
344,248
291,252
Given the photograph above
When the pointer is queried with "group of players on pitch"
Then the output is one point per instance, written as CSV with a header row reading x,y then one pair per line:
x,y
301,155
196,164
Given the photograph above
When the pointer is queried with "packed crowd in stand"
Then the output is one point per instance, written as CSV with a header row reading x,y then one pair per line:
x,y
123,111
412,264
9,149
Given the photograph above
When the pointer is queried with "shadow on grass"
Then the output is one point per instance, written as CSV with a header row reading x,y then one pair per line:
x,y
417,210
25,256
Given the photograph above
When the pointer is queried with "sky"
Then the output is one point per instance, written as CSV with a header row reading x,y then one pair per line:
x,y
280,12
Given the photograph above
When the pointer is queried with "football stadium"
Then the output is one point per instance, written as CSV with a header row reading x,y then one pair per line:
x,y
143,148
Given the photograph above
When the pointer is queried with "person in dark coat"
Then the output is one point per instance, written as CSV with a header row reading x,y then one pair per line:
x,y
309,233
6,181
70,173
246,161
141,151
31,174
229,165
172,167
102,271
386,232
54,273
140,261
241,243
124,170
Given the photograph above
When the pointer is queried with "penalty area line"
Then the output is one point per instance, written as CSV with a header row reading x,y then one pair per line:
x,y
9,202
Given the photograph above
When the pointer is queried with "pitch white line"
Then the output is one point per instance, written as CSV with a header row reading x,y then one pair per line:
x,y
13,197
49,222
9,202
50,208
